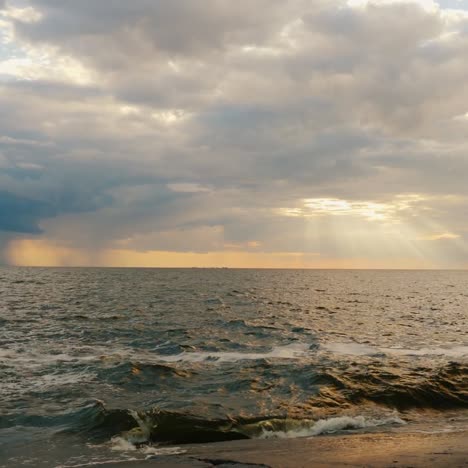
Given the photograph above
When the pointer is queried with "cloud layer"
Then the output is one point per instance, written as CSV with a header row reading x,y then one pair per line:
x,y
236,127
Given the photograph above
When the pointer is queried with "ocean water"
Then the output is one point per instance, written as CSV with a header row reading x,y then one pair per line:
x,y
124,364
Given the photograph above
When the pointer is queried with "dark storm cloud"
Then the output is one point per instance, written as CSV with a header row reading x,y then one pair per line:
x,y
21,215
33,193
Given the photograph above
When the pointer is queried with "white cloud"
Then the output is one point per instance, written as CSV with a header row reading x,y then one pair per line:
x,y
428,5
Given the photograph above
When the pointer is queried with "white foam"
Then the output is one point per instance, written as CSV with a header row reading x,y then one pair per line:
x,y
38,359
47,382
291,351
332,425
352,349
101,354
453,352
357,349
151,451
121,444
98,462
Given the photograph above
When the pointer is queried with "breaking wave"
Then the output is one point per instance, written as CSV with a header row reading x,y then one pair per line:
x,y
329,426
174,427
291,351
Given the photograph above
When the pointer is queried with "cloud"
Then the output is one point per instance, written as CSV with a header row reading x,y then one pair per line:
x,y
21,215
120,130
453,4
443,236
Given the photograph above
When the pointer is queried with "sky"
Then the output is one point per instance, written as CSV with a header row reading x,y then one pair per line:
x,y
254,133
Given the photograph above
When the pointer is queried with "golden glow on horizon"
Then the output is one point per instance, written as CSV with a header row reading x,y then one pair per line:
x,y
35,252
337,233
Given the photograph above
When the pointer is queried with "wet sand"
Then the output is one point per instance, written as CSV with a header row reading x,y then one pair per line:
x,y
448,450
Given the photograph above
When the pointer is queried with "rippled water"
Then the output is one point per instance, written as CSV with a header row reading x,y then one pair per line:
x,y
101,364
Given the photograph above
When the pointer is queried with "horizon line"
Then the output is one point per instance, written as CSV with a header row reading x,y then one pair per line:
x,y
228,268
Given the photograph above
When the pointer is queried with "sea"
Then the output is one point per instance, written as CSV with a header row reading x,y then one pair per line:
x,y
108,364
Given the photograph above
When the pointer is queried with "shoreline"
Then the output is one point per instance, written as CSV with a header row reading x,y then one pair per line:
x,y
382,449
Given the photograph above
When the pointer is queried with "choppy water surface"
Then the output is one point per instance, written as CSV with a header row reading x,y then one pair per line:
x,y
100,364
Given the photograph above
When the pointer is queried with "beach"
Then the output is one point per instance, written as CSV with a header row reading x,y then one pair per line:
x,y
359,450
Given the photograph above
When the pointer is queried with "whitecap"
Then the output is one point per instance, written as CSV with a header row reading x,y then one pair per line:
x,y
452,352
291,351
357,349
162,451
333,425
352,349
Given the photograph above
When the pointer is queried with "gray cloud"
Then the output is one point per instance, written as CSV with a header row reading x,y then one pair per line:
x,y
261,104
132,32
20,214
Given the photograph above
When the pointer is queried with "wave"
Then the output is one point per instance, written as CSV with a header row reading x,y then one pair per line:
x,y
330,426
180,428
329,400
440,388
322,392
299,350
128,428
358,349
291,351
100,423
